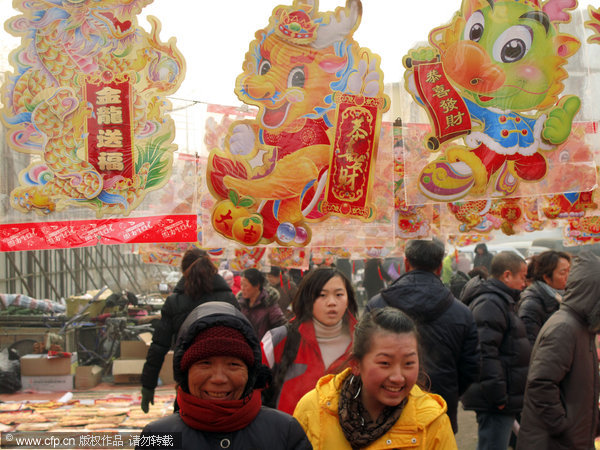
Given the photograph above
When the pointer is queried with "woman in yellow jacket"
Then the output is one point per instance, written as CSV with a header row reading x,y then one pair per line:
x,y
376,403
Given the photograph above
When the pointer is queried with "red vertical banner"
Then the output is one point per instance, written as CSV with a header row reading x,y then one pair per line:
x,y
109,134
353,157
446,108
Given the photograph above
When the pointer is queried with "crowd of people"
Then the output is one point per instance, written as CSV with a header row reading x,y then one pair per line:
x,y
287,365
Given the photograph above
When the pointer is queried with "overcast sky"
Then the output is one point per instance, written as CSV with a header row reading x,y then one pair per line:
x,y
214,35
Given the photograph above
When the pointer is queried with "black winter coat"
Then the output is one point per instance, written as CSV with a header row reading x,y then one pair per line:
x,y
271,429
505,349
484,260
561,399
457,283
448,333
535,306
174,311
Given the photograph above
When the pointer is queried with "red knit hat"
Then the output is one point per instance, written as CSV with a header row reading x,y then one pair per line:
x,y
217,341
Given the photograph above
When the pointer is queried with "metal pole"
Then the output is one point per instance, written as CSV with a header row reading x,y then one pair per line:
x,y
126,267
85,268
93,260
136,261
99,251
11,258
68,267
49,282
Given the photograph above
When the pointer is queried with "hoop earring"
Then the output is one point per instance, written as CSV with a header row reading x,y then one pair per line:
x,y
359,387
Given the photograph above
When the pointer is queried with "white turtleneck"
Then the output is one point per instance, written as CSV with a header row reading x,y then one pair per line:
x,y
333,340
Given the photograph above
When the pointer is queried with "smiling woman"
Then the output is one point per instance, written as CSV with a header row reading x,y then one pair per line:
x,y
377,403
212,376
219,376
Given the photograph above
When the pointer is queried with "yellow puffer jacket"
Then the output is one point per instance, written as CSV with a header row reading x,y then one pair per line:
x,y
422,425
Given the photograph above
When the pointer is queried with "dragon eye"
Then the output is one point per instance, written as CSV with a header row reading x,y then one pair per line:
x,y
296,78
474,27
265,66
513,44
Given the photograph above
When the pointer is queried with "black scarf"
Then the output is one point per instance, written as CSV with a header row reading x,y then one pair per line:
x,y
358,427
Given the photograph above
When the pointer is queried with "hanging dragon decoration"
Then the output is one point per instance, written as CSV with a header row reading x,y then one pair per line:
x,y
311,149
491,82
86,101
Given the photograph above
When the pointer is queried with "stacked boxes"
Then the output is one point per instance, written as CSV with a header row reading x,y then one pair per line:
x,y
41,373
128,368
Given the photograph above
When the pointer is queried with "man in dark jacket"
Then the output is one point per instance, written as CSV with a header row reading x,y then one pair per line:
x,y
498,396
561,398
446,326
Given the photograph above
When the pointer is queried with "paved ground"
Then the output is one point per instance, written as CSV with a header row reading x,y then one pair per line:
x,y
466,438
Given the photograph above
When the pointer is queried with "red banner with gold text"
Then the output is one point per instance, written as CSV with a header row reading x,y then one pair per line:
x,y
447,109
349,180
85,233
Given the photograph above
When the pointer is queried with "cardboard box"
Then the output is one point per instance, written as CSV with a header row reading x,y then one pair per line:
x,y
128,370
76,304
86,377
133,350
146,337
51,383
41,365
166,371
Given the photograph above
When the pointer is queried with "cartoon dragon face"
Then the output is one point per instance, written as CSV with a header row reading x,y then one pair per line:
x,y
508,54
285,83
291,67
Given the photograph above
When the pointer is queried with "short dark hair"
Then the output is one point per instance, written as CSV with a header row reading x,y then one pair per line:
x,y
275,271
424,254
482,246
504,261
255,277
545,263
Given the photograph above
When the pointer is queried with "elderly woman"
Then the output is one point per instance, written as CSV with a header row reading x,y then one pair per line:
x,y
200,283
217,366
